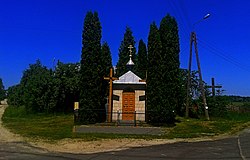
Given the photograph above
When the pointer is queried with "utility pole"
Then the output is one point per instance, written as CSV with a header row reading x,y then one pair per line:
x,y
193,39
189,76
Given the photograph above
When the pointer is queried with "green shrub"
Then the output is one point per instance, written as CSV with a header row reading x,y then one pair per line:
x,y
217,106
12,111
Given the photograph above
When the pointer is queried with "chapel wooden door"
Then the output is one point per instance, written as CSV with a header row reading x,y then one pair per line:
x,y
128,105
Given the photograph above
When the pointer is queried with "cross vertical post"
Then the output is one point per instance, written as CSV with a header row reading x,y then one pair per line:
x,y
110,99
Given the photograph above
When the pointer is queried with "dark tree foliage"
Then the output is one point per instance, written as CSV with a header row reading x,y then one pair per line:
x,y
47,91
164,87
155,96
128,39
65,88
233,98
194,93
180,110
217,106
15,95
171,65
37,88
142,60
91,72
107,64
2,91
107,60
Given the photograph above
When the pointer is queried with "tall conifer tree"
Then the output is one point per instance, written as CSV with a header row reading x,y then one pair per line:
x,y
107,59
170,56
91,74
128,39
142,60
155,101
107,63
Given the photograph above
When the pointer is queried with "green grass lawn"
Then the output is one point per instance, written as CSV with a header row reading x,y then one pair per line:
x,y
193,128
60,126
39,125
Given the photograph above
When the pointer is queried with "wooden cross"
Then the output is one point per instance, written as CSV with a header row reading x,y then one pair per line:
x,y
110,79
213,87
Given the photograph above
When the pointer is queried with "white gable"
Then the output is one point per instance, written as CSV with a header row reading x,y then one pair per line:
x,y
129,78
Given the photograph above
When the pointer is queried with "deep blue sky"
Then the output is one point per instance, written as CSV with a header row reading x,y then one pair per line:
x,y
48,29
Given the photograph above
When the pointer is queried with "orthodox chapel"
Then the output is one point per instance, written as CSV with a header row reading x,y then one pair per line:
x,y
128,101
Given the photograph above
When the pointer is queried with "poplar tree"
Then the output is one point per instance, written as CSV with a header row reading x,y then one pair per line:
x,y
128,39
107,59
142,60
107,64
155,99
91,74
170,56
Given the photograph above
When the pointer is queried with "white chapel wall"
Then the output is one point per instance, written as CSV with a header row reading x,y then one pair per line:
x,y
117,105
139,105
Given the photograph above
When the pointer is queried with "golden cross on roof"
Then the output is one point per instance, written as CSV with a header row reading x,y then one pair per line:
x,y
130,50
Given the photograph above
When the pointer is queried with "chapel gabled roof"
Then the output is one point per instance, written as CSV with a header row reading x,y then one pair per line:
x,y
129,78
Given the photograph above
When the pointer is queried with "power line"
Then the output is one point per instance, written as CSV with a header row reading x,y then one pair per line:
x,y
183,20
185,27
219,53
183,15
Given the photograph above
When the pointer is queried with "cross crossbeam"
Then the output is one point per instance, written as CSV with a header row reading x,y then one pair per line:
x,y
214,87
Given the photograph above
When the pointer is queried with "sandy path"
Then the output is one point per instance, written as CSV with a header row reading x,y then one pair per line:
x,y
5,135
